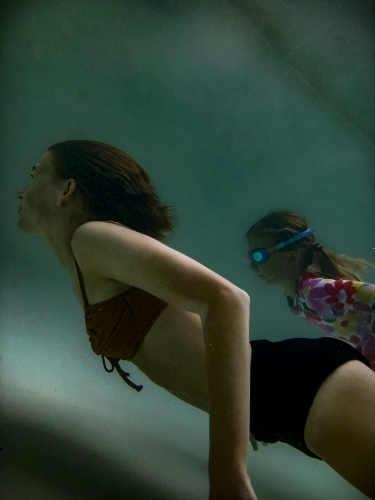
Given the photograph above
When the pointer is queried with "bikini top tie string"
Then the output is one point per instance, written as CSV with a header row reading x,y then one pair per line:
x,y
124,375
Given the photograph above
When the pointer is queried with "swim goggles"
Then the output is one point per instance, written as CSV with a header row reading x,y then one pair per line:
x,y
260,255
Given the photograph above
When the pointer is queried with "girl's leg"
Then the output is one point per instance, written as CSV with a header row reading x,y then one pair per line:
x,y
340,427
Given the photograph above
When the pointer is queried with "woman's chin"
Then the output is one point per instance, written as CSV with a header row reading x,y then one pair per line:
x,y
21,226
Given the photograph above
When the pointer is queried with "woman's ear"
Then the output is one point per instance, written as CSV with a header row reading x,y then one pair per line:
x,y
68,189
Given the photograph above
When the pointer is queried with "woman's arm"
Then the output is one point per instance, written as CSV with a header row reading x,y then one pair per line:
x,y
124,255
225,327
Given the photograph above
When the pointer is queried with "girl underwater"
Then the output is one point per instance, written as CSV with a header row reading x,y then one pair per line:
x,y
320,286
187,328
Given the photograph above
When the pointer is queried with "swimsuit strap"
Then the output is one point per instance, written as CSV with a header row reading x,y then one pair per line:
x,y
114,362
120,371
80,277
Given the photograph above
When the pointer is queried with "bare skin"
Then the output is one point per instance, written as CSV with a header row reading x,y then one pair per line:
x,y
340,427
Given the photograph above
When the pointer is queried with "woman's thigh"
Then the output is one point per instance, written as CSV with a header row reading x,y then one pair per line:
x,y
340,427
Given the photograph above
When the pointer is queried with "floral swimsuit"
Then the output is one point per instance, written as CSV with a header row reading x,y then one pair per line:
x,y
341,308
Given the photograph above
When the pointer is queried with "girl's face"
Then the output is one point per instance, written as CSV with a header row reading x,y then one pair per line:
x,y
275,269
39,199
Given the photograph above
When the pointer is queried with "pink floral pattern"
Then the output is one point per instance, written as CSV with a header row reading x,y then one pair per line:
x,y
341,308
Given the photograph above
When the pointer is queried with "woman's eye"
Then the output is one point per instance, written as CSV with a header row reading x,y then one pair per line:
x,y
31,175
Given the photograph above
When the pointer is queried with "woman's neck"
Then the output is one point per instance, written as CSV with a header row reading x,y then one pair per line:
x,y
59,238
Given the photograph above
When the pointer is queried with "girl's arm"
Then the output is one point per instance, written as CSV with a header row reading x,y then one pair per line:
x,y
118,253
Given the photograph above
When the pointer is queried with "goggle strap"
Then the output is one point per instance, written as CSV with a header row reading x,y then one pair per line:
x,y
293,239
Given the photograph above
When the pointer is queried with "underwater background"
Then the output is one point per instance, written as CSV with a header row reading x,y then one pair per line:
x,y
234,108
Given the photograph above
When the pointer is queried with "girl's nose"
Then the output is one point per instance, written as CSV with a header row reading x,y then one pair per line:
x,y
19,193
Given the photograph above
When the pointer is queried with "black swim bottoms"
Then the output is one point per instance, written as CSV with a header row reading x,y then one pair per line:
x,y
284,379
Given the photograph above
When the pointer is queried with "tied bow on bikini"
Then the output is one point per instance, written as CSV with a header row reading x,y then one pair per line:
x,y
124,375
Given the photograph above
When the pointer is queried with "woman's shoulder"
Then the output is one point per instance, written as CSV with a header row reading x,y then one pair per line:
x,y
93,244
94,224
92,232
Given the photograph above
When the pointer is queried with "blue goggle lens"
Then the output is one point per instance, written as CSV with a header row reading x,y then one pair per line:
x,y
259,255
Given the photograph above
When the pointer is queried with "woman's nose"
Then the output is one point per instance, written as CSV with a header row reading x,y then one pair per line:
x,y
19,193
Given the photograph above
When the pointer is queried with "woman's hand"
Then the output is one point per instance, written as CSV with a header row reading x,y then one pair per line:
x,y
254,442
234,488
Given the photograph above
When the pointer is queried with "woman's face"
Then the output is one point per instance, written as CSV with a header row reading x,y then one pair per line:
x,y
39,199
274,269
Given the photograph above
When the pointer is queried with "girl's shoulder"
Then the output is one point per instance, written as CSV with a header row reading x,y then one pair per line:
x,y
320,287
311,276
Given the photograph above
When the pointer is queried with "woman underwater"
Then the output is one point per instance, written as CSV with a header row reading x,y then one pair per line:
x,y
186,327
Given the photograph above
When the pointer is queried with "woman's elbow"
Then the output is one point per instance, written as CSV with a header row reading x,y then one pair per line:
x,y
244,297
226,297
239,296
235,297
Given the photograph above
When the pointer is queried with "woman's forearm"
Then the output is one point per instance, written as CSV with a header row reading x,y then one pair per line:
x,y
226,334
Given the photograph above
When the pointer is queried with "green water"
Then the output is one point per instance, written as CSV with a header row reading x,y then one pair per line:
x,y
234,108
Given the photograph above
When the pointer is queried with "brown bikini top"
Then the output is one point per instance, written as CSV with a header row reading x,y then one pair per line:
x,y
117,326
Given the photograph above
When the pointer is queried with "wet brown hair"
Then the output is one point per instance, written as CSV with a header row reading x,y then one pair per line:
x,y
113,186
281,225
